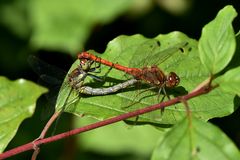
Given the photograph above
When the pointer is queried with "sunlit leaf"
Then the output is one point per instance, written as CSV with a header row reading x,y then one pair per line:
x,y
184,61
67,25
230,81
200,141
118,138
217,43
17,102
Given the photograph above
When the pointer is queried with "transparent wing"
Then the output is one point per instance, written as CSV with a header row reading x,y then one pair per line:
x,y
48,73
152,52
51,77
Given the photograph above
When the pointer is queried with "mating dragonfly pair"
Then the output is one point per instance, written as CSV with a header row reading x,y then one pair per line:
x,y
151,75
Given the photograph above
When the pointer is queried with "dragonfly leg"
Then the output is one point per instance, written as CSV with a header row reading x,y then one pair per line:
x,y
106,74
165,94
97,65
94,70
162,89
97,78
136,120
135,97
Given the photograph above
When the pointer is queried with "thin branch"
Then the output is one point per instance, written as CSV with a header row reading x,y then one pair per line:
x,y
29,146
49,123
54,117
43,133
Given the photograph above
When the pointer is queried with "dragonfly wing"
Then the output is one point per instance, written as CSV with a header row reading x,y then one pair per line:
x,y
160,56
140,57
50,76
50,79
152,52
43,68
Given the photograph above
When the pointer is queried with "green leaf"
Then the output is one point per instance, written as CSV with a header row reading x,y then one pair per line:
x,y
126,50
119,138
13,16
230,81
67,25
201,140
63,27
18,100
217,43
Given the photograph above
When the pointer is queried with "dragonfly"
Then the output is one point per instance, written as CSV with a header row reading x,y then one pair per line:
x,y
75,80
77,76
153,75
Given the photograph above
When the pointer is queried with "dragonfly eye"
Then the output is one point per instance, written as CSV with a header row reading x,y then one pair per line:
x,y
172,80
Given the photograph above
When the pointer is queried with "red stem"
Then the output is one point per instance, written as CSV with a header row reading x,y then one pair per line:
x,y
203,90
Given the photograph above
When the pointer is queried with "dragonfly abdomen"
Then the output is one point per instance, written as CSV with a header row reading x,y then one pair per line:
x,y
104,91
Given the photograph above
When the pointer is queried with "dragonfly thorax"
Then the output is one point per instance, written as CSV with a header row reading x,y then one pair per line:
x,y
76,77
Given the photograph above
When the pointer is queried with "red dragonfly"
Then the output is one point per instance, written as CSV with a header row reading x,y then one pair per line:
x,y
77,76
152,75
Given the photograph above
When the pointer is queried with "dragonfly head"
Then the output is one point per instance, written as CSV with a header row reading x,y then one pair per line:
x,y
172,80
86,64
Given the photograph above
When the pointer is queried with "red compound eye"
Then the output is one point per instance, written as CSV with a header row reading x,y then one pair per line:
x,y
172,80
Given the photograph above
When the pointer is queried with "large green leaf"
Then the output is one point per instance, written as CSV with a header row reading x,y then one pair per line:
x,y
62,25
125,50
230,81
13,14
200,140
217,43
66,24
119,138
18,100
